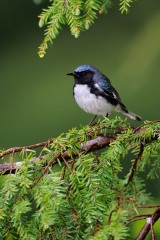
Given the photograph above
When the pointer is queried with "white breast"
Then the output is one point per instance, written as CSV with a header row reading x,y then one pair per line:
x,y
90,103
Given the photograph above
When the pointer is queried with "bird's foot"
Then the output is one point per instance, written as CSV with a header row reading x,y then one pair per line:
x,y
92,121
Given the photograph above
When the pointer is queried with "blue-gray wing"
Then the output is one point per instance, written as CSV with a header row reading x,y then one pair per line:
x,y
109,92
108,89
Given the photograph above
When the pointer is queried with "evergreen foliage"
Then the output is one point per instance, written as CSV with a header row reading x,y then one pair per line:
x,y
79,15
73,191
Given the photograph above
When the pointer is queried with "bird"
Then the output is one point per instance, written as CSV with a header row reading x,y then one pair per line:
x,y
95,94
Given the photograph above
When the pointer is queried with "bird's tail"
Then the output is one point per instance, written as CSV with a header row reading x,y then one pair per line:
x,y
126,112
132,115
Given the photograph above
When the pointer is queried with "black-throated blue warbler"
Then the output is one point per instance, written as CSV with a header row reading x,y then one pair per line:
x,y
94,93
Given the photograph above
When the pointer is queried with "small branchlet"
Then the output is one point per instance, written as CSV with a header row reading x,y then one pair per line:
x,y
79,15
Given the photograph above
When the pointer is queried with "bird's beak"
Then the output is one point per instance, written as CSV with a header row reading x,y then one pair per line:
x,y
70,74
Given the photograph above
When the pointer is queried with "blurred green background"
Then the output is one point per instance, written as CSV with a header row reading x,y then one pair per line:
x,y
36,95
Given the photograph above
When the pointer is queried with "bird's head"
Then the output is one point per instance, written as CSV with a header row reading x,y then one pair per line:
x,y
83,74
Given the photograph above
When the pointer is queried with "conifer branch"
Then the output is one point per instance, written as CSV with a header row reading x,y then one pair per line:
x,y
86,147
87,192
79,15
91,145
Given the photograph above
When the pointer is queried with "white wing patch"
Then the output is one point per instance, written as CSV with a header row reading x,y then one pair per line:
x,y
101,90
98,87
114,95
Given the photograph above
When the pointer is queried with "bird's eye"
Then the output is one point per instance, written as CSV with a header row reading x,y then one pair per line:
x,y
84,73
77,73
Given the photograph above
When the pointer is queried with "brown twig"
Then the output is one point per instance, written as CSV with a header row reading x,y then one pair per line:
x,y
19,149
50,163
137,130
152,231
133,168
150,206
137,217
110,215
66,164
149,225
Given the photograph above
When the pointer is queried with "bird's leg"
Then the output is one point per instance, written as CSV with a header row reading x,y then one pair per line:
x,y
91,122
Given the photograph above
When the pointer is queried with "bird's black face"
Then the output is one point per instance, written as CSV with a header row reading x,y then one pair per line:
x,y
82,77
